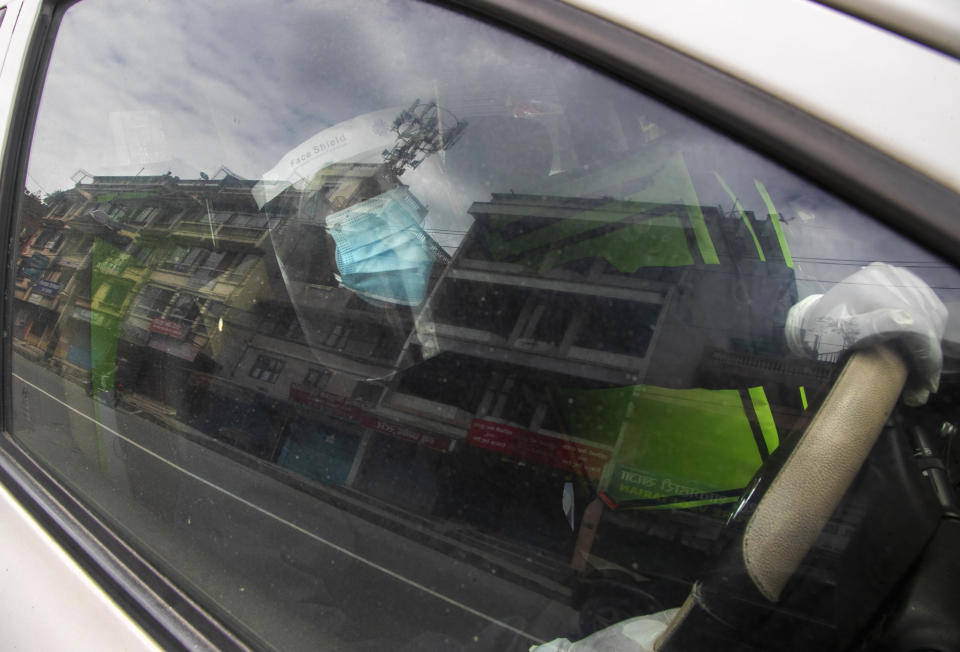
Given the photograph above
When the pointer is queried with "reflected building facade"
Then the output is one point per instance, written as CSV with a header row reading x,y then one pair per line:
x,y
184,301
167,296
552,307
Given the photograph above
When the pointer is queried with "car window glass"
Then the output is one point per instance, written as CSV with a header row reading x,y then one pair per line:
x,y
381,327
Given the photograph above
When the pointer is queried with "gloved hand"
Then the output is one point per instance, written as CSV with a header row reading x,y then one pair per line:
x,y
876,304
633,635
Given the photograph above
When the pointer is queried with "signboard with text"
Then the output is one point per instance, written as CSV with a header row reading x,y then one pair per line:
x,y
47,288
356,412
169,328
537,448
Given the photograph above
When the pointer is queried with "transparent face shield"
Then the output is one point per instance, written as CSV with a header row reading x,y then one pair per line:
x,y
348,234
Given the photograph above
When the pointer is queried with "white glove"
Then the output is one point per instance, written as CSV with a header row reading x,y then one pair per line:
x,y
633,635
876,304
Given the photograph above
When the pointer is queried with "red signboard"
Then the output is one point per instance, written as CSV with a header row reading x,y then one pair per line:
x,y
169,328
355,411
536,448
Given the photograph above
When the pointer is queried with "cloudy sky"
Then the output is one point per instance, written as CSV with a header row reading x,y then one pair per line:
x,y
150,87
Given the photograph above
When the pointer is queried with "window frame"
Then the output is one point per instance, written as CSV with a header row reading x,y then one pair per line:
x,y
855,172
266,368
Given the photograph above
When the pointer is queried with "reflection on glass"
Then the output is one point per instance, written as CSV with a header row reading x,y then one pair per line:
x,y
438,343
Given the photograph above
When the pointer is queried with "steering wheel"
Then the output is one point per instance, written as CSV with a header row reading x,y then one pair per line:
x,y
787,505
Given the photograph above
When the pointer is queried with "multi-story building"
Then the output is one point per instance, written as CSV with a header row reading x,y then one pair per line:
x,y
173,297
510,386
143,262
562,323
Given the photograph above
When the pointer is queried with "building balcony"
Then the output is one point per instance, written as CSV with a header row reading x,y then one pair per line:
x,y
213,232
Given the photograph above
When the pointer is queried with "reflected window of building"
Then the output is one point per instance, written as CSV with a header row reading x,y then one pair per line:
x,y
317,378
368,393
267,368
153,301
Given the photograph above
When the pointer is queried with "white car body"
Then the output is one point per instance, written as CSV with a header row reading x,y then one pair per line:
x,y
895,94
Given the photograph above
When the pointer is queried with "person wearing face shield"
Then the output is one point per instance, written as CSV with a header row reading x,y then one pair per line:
x,y
877,303
382,255
355,224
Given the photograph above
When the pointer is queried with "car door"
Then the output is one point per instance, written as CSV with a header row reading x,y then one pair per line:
x,y
418,326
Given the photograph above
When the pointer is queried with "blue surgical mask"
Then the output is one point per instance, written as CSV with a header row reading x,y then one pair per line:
x,y
383,254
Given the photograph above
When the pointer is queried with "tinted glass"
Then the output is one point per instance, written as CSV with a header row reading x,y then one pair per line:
x,y
382,328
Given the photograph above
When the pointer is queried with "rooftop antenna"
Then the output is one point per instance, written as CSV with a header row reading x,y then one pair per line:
x,y
80,176
37,183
